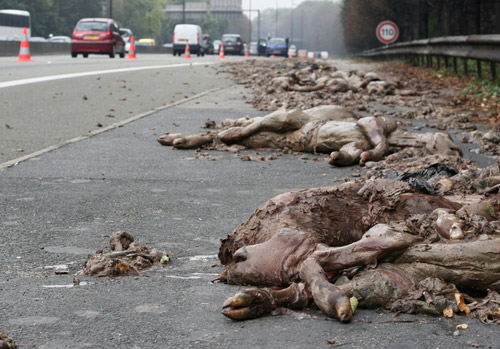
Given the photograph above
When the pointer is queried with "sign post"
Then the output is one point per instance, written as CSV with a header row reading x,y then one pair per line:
x,y
387,32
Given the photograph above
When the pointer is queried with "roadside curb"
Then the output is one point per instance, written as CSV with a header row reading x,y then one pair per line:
x,y
93,133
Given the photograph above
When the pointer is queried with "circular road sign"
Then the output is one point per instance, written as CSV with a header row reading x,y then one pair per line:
x,y
387,32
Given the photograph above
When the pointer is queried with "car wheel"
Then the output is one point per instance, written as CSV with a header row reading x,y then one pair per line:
x,y
73,54
173,53
85,55
112,53
122,54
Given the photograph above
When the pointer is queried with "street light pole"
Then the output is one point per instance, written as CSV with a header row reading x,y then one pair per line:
x,y
276,21
249,22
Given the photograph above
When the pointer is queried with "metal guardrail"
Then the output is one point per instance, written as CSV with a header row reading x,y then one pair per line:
x,y
481,48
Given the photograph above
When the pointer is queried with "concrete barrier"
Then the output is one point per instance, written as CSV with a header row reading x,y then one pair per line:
x,y
11,49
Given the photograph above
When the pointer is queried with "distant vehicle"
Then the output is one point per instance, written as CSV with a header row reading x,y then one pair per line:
x,y
168,45
232,44
216,45
302,53
292,51
146,42
253,49
207,43
323,54
66,39
127,36
97,36
191,33
277,47
12,24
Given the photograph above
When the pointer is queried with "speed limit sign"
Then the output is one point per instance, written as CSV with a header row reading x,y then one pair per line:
x,y
387,32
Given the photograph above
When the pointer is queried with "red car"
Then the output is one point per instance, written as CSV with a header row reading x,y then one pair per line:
x,y
99,36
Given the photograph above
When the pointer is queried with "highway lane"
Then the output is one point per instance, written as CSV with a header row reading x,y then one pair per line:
x,y
84,95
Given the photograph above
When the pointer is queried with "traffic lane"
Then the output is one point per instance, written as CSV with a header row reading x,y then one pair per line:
x,y
39,115
171,201
60,64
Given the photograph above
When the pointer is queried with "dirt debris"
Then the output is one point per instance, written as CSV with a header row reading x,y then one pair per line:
x,y
126,258
6,342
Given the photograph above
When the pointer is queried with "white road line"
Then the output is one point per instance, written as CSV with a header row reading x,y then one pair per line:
x,y
90,73
14,162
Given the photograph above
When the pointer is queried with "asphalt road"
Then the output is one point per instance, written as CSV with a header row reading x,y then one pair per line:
x,y
58,207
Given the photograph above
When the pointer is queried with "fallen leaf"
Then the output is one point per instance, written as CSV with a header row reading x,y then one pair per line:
x,y
462,327
84,98
8,126
354,303
331,341
153,128
98,124
448,312
123,99
461,303
123,267
20,150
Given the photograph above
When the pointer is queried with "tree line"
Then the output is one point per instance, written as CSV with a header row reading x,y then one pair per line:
x,y
417,19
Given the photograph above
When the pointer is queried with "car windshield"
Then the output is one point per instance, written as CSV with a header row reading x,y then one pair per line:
x,y
92,26
229,38
277,41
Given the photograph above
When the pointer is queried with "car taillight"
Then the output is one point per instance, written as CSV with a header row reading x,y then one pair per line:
x,y
197,38
239,43
173,37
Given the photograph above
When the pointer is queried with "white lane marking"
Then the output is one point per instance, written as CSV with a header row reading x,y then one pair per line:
x,y
90,73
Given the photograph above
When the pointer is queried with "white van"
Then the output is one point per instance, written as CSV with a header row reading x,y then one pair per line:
x,y
184,33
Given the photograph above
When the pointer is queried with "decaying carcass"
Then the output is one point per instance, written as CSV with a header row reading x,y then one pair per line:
x,y
377,241
333,130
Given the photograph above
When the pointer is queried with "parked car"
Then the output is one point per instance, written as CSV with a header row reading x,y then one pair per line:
x,y
146,42
292,51
97,36
191,33
216,45
277,47
127,36
59,39
208,46
232,44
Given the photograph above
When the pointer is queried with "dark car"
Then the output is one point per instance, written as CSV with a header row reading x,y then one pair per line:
x,y
277,47
97,36
232,44
261,47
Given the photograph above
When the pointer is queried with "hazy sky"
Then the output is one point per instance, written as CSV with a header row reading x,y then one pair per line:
x,y
263,4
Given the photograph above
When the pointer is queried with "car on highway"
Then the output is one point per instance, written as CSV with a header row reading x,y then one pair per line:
x,y
146,42
277,47
97,36
66,39
184,33
126,34
253,49
232,44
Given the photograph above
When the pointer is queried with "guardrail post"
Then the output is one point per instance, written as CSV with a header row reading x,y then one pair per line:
x,y
438,62
466,68
446,64
479,71
493,69
455,70
422,60
429,61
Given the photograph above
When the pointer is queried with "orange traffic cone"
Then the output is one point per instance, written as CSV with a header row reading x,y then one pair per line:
x,y
187,53
24,50
221,50
131,50
247,54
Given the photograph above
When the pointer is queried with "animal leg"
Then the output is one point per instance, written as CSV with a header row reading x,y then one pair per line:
x,y
379,242
194,141
328,297
279,121
375,130
348,155
257,302
169,138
